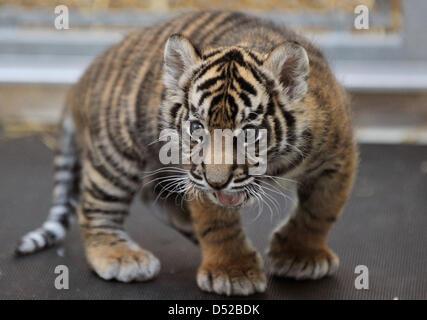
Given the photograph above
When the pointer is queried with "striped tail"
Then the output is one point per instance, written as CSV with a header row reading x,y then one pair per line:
x,y
64,197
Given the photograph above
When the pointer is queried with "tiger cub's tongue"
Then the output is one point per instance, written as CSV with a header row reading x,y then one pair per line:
x,y
230,199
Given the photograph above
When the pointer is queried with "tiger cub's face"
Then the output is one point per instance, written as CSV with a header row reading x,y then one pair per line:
x,y
225,102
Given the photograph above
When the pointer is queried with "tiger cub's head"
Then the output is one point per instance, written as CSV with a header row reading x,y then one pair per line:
x,y
246,96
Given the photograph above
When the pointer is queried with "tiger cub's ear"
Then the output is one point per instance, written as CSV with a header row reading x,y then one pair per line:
x,y
179,56
289,64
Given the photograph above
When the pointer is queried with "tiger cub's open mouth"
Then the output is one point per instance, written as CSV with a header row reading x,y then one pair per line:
x,y
230,200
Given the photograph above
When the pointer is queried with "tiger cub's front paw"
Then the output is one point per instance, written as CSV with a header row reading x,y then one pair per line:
x,y
124,262
295,261
235,279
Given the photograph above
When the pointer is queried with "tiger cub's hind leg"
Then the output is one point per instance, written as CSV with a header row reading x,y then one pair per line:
x,y
103,206
298,248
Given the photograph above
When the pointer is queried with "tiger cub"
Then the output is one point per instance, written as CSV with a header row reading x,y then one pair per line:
x,y
203,71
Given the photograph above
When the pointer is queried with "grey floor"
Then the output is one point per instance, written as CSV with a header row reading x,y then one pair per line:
x,y
384,227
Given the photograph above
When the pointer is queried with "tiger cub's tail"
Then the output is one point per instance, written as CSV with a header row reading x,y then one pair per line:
x,y
64,196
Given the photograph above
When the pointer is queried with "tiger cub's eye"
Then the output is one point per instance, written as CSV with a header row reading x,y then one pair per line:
x,y
195,125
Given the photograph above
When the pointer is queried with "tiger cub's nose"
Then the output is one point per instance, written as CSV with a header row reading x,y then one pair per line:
x,y
217,175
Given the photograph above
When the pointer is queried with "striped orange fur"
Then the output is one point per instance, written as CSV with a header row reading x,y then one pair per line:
x,y
213,69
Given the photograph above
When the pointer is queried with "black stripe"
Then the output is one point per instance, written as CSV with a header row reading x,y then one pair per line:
x,y
103,171
102,226
215,101
232,55
90,211
140,119
193,108
211,54
194,18
231,17
328,172
255,73
231,237
204,96
270,108
200,33
277,130
241,180
217,226
111,122
233,110
307,146
122,172
100,194
49,237
290,128
280,237
211,82
255,58
244,20
243,84
245,100
195,176
310,214
174,110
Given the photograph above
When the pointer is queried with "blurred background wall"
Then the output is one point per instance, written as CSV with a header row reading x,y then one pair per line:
x,y
384,67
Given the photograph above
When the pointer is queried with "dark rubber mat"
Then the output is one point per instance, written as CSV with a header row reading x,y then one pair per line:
x,y
384,228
